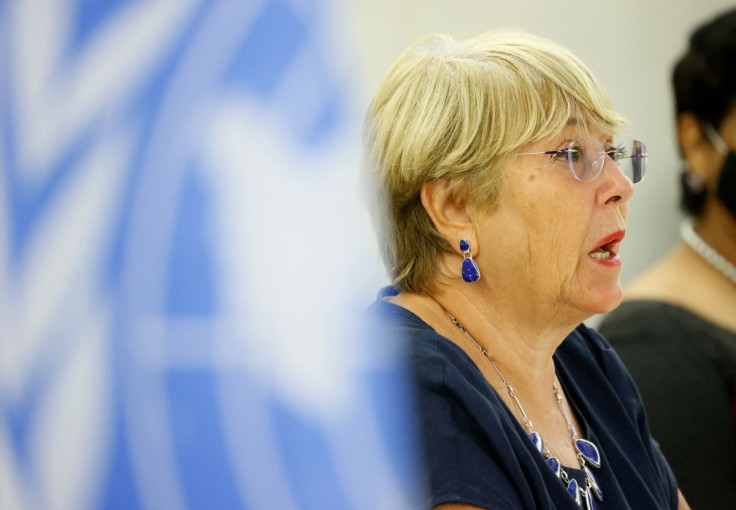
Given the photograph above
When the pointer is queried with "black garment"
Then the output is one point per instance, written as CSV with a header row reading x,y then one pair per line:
x,y
685,368
476,452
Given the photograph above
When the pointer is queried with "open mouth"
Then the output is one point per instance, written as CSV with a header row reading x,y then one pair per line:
x,y
608,247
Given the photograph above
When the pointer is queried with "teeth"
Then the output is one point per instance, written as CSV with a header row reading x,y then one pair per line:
x,y
601,255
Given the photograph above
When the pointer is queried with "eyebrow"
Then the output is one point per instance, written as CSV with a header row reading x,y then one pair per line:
x,y
574,127
580,123
576,121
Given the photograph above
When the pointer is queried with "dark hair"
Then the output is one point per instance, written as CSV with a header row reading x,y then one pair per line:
x,y
704,81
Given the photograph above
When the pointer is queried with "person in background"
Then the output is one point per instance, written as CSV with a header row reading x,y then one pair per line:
x,y
676,330
501,203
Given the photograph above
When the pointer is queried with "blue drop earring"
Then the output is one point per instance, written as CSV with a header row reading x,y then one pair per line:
x,y
471,273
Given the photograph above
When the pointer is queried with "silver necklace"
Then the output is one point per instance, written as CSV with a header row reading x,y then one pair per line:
x,y
708,254
586,451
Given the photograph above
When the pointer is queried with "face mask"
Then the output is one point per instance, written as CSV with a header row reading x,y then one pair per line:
x,y
727,181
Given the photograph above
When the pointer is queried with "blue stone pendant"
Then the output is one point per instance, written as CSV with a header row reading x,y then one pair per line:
x,y
471,273
594,487
536,440
572,490
589,451
554,465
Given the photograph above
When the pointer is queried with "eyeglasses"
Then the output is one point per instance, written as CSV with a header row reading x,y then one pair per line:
x,y
587,156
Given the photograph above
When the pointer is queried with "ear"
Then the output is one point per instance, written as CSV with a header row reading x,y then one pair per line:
x,y
702,158
449,214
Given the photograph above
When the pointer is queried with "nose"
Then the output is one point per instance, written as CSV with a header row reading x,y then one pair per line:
x,y
615,187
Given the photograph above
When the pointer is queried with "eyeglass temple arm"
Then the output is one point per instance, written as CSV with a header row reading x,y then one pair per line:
x,y
558,151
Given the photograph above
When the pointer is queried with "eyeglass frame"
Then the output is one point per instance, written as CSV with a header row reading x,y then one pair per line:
x,y
615,153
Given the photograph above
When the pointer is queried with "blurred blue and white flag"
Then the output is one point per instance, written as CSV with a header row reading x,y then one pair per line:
x,y
183,255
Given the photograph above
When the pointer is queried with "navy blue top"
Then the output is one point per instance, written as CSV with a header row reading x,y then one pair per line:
x,y
476,452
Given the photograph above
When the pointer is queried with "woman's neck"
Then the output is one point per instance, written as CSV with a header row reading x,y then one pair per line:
x,y
521,352
520,339
717,227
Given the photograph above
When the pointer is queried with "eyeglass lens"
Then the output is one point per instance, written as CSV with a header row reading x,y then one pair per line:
x,y
638,161
587,157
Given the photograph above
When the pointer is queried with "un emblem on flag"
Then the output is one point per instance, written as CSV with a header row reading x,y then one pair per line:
x,y
160,166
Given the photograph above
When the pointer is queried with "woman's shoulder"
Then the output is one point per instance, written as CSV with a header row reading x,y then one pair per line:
x,y
643,314
430,355
641,322
462,422
403,325
690,287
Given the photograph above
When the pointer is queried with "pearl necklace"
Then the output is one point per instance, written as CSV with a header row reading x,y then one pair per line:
x,y
708,254
585,450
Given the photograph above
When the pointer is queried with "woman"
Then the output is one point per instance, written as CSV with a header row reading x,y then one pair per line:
x,y
495,164
676,331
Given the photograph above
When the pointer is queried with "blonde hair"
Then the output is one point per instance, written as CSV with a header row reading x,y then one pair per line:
x,y
457,109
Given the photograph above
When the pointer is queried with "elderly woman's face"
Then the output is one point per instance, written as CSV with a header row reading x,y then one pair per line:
x,y
554,239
